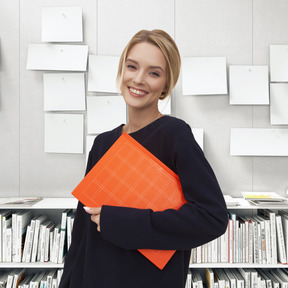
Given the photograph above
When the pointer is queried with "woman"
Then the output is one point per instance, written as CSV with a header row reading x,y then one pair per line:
x,y
105,239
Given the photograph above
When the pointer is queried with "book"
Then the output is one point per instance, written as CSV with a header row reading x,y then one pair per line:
x,y
22,220
129,175
210,277
284,217
38,221
18,202
231,277
271,215
18,277
264,197
230,201
280,241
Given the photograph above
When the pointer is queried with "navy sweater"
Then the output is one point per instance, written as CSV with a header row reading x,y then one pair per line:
x,y
110,258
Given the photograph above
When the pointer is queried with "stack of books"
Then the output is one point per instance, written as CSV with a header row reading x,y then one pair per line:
x,y
264,198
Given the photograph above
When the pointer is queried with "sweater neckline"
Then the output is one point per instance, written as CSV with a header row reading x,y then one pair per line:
x,y
145,127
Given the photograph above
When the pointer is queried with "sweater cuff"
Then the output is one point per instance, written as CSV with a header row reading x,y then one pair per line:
x,y
122,226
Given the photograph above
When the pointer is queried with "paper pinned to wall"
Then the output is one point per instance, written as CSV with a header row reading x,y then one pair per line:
x,y
164,106
279,63
249,85
199,136
57,57
89,143
204,75
62,24
64,91
105,113
279,103
64,133
102,73
259,142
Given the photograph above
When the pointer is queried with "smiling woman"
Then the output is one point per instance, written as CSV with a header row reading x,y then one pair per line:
x,y
105,241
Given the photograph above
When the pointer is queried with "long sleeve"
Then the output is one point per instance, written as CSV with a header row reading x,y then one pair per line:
x,y
202,219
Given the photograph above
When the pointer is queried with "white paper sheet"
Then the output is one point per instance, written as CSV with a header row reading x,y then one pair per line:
x,y
259,142
64,91
204,75
102,73
164,106
105,113
279,63
64,133
57,57
62,24
279,103
249,85
89,143
199,136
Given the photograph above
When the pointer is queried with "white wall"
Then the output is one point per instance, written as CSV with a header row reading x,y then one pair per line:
x,y
239,30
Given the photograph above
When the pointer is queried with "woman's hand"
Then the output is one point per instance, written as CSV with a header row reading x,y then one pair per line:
x,y
95,215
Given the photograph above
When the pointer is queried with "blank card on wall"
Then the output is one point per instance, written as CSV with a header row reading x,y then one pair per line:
x,y
258,142
102,73
249,85
64,133
64,91
105,113
279,63
279,103
62,24
57,57
204,75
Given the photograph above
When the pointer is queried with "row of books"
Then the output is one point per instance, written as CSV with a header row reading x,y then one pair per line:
x,y
237,278
18,278
24,238
261,238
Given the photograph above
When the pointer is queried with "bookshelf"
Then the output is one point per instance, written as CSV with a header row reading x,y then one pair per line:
x,y
53,208
244,208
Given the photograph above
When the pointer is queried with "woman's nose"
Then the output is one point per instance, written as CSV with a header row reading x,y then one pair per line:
x,y
139,78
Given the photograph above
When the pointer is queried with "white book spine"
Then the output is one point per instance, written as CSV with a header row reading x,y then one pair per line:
x,y
214,251
280,240
9,244
224,246
255,242
14,236
268,241
273,238
231,240
61,246
199,254
27,258
25,250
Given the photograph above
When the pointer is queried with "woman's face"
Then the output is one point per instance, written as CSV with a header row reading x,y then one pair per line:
x,y
144,76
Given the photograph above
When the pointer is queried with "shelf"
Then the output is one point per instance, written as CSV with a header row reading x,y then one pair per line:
x,y
244,204
237,265
49,203
30,265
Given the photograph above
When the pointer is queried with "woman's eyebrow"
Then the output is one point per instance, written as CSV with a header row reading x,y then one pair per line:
x,y
153,67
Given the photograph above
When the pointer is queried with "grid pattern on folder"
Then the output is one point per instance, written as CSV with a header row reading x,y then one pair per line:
x,y
129,175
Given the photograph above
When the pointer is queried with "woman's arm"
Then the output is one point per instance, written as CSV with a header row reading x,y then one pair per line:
x,y
202,219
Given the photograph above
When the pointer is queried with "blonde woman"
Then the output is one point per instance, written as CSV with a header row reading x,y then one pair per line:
x,y
103,253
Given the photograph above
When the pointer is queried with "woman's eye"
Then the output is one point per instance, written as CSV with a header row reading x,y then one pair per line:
x,y
132,67
155,74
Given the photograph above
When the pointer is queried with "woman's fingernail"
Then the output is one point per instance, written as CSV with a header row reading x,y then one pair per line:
x,y
86,208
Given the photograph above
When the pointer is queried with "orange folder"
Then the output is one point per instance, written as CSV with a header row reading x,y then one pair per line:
x,y
129,175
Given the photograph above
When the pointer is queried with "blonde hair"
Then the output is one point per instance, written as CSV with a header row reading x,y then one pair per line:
x,y
167,45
